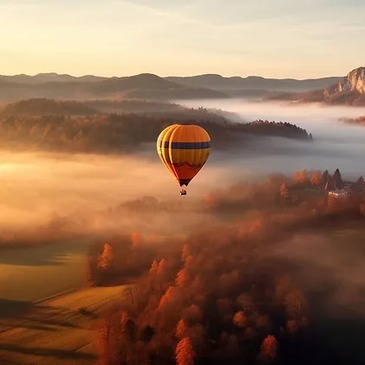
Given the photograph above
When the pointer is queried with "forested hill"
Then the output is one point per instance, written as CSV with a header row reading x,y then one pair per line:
x,y
76,127
40,106
358,121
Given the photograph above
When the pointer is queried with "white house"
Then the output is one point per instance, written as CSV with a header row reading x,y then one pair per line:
x,y
338,193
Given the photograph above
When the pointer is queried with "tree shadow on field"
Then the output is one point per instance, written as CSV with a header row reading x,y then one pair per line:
x,y
39,351
14,308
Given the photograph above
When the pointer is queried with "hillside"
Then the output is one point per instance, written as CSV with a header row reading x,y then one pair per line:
x,y
132,106
253,85
332,90
149,86
46,107
353,82
23,125
49,77
143,86
358,121
350,90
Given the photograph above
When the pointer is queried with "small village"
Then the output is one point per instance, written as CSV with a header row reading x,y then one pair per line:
x,y
336,187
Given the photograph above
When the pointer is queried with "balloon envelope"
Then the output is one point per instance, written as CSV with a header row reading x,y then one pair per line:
x,y
183,149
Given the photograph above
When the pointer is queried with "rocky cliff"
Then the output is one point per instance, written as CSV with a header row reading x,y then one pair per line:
x,y
354,82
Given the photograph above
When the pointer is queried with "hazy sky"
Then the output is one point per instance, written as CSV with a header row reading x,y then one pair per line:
x,y
278,38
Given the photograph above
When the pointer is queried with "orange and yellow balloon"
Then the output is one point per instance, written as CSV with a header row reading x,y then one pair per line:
x,y
183,149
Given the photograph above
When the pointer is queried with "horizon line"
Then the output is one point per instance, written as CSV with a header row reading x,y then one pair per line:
x,y
168,76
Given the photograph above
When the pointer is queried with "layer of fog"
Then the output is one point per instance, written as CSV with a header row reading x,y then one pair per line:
x,y
335,145
48,198
63,203
39,187
333,271
43,194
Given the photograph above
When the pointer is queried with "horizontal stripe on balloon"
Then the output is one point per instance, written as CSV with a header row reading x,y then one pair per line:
x,y
189,165
186,145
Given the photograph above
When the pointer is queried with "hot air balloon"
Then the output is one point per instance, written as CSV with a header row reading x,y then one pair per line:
x,y
183,149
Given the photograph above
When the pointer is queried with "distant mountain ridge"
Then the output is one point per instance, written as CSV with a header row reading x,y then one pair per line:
x,y
142,86
49,77
235,83
150,86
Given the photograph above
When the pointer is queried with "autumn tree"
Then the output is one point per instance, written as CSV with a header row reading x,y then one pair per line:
x,y
245,302
295,304
268,348
106,257
169,298
301,177
180,329
316,178
325,177
162,267
337,180
185,253
184,352
154,267
239,319
284,192
181,277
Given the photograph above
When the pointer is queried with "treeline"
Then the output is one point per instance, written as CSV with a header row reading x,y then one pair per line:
x,y
121,259
305,189
125,132
43,107
271,128
360,120
209,303
133,106
221,295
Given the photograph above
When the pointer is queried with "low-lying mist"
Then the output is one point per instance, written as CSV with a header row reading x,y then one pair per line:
x,y
275,276
46,194
47,197
335,144
236,260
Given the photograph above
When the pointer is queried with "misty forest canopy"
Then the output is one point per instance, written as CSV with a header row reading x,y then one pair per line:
x,y
112,126
248,288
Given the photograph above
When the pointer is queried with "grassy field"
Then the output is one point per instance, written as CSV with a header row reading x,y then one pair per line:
x,y
29,274
55,331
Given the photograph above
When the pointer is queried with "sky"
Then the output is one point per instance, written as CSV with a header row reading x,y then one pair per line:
x,y
270,38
